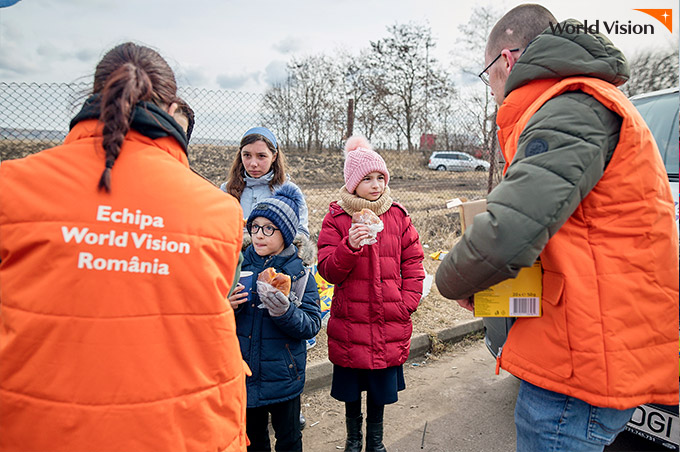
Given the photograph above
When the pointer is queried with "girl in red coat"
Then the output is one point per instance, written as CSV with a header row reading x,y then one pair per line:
x,y
378,284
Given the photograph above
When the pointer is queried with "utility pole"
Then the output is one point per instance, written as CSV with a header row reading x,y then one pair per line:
x,y
350,118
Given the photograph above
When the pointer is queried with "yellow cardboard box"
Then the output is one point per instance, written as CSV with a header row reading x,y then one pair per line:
x,y
517,297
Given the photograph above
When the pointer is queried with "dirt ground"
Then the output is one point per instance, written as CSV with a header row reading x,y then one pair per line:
x,y
325,430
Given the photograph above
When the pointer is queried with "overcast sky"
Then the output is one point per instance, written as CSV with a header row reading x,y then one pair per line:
x,y
245,44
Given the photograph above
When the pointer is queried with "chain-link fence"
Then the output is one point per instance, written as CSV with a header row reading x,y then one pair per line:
x,y
36,116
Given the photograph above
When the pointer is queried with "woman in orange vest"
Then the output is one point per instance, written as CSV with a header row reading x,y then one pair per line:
x,y
115,264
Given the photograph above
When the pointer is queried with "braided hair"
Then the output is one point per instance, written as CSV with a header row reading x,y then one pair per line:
x,y
127,74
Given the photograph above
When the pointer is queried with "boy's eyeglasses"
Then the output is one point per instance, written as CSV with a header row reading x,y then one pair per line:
x,y
484,75
268,230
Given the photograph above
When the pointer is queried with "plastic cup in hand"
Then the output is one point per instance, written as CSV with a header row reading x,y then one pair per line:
x,y
246,280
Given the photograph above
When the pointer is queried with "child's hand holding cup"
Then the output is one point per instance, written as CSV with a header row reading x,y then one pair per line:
x,y
241,293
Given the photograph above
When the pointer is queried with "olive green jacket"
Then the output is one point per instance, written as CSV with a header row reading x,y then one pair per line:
x,y
572,139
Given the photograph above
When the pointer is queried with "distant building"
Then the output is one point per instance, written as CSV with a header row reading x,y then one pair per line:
x,y
427,141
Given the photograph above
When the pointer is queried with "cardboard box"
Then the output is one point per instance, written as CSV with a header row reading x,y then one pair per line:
x,y
517,297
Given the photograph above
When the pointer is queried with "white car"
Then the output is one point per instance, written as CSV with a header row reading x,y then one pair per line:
x,y
456,161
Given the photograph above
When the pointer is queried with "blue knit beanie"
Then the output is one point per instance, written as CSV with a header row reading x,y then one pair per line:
x,y
282,209
265,132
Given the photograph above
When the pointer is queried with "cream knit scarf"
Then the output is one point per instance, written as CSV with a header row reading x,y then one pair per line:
x,y
352,203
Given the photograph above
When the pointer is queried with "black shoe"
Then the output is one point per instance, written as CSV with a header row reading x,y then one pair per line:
x,y
303,422
354,441
374,437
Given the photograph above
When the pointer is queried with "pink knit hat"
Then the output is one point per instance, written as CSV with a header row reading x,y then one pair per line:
x,y
360,160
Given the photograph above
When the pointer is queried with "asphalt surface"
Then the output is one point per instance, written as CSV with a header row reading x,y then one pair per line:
x,y
466,406
452,403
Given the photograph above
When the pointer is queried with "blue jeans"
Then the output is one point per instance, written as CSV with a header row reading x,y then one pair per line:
x,y
547,421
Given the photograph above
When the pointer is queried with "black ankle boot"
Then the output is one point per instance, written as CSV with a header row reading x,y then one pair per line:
x,y
354,438
374,437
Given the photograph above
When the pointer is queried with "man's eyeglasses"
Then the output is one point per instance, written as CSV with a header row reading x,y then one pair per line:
x,y
268,230
484,75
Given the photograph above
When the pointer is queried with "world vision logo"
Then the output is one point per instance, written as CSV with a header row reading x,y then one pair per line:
x,y
665,16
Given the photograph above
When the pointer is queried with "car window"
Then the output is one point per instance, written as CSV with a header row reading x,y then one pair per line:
x,y
661,115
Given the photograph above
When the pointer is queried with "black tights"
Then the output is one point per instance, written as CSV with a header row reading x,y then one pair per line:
x,y
374,411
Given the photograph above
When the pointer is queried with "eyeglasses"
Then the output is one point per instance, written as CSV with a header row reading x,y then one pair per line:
x,y
268,230
485,75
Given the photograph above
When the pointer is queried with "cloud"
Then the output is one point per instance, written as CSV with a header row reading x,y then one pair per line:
x,y
276,72
88,55
11,31
193,77
14,62
50,51
289,44
234,82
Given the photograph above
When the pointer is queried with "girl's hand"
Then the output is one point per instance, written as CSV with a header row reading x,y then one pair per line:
x,y
238,297
357,232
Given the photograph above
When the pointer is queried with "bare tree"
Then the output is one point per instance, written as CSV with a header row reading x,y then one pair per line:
x,y
651,70
368,115
403,77
277,111
307,106
444,115
481,106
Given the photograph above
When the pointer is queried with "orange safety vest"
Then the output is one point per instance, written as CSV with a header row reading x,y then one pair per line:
x,y
609,330
115,332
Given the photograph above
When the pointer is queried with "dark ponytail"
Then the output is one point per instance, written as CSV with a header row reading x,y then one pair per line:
x,y
126,86
127,74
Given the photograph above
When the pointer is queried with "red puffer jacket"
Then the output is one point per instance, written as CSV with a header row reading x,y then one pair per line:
x,y
376,289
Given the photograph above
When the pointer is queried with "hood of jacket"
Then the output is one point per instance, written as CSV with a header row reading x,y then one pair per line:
x,y
555,53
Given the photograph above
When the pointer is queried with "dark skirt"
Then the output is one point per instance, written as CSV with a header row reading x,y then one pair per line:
x,y
381,384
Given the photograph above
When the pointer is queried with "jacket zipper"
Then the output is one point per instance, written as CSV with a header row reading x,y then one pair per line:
x,y
266,261
498,360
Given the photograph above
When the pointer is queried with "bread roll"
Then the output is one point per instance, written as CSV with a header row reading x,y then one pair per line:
x,y
276,280
365,216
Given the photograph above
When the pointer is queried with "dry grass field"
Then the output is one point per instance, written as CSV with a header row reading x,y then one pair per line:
x,y
422,191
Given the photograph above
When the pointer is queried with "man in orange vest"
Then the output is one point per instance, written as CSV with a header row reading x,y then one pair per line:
x,y
585,190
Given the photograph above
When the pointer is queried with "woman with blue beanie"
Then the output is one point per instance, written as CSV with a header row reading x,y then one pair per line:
x,y
258,170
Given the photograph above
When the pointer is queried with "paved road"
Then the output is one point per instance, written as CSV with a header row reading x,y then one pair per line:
x,y
467,408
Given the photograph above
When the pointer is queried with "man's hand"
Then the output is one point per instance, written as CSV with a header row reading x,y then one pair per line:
x,y
238,297
276,303
467,303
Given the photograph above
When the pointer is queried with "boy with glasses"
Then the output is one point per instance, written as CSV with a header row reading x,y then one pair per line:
x,y
272,328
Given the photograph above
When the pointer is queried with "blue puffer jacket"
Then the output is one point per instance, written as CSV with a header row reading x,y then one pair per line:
x,y
275,347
